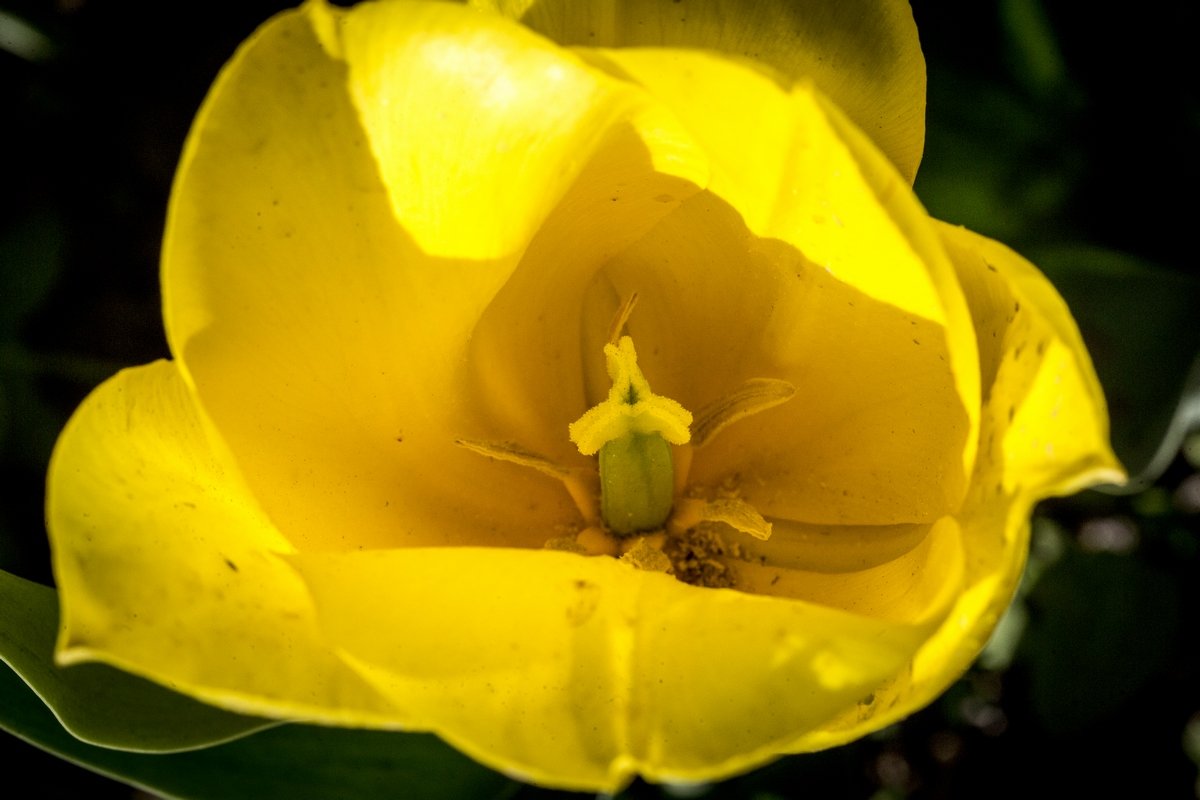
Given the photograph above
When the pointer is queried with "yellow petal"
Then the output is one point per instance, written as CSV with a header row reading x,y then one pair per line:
x,y
995,531
1044,432
865,57
573,671
840,286
916,587
876,432
1051,413
797,170
167,568
327,344
835,549
580,672
478,125
537,354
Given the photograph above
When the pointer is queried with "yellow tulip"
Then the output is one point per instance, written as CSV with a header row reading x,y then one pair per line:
x,y
400,239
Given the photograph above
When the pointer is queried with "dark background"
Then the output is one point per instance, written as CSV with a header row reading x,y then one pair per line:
x,y
1069,131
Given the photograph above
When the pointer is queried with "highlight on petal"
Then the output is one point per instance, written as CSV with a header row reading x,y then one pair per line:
x,y
477,152
867,58
168,569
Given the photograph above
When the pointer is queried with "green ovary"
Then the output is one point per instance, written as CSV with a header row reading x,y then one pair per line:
x,y
637,482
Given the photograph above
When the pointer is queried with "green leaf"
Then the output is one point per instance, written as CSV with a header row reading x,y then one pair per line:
x,y
1102,626
1032,49
294,761
30,259
1139,322
97,703
996,162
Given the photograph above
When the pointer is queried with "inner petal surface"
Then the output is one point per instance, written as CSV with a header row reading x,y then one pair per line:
x,y
329,348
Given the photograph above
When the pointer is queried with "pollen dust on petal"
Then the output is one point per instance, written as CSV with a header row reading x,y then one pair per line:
x,y
700,557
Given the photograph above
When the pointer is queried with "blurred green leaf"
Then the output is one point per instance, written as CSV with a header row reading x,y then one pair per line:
x,y
994,162
293,761
31,257
28,428
1032,50
1009,161
97,703
31,249
1100,627
1139,322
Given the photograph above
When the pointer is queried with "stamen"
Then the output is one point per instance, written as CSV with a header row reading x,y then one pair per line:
x,y
513,453
579,484
620,318
732,511
753,396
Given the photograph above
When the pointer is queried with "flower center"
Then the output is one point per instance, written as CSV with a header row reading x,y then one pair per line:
x,y
632,430
647,515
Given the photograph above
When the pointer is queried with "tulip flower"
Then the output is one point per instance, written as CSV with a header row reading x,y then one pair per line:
x,y
580,382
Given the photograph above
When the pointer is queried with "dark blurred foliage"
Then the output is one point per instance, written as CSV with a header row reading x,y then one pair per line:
x,y
1069,131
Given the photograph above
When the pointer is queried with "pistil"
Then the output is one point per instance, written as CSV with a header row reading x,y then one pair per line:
x,y
632,430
